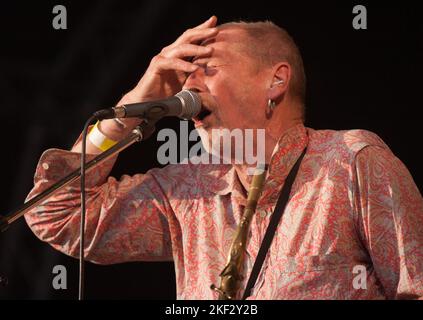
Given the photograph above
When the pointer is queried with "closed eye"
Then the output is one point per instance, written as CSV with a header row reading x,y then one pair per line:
x,y
209,70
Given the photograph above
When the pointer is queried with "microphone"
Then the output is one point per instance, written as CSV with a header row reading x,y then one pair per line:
x,y
185,104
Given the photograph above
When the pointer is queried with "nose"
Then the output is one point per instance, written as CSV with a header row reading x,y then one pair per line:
x,y
195,80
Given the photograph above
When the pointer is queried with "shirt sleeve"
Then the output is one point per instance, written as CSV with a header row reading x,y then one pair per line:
x,y
390,221
126,220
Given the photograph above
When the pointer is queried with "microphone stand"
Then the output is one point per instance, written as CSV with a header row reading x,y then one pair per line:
x,y
150,116
143,131
135,136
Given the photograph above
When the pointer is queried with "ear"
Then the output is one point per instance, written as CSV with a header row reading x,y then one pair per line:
x,y
280,81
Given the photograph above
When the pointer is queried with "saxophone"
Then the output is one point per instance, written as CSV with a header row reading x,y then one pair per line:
x,y
232,274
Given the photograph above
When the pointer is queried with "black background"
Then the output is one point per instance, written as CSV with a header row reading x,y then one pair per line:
x,y
52,80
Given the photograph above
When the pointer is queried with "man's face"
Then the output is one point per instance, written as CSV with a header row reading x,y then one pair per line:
x,y
231,86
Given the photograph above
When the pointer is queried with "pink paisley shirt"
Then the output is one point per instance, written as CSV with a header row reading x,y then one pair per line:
x,y
353,228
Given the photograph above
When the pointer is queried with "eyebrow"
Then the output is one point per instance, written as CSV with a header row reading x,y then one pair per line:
x,y
205,58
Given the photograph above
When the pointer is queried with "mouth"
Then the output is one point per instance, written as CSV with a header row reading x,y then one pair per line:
x,y
204,113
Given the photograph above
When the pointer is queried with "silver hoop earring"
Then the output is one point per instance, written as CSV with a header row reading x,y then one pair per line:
x,y
271,104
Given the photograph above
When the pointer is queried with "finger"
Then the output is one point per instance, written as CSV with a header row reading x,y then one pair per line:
x,y
165,64
196,35
187,50
211,22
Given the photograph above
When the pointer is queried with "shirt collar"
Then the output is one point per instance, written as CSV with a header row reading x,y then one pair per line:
x,y
286,152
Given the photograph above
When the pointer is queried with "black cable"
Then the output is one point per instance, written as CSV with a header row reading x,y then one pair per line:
x,y
82,225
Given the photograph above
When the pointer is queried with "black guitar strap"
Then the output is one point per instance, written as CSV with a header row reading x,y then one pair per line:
x,y
273,224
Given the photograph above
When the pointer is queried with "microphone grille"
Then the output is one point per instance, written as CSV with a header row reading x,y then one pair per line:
x,y
191,104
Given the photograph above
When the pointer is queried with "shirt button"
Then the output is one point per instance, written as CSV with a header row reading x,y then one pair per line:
x,y
263,214
45,166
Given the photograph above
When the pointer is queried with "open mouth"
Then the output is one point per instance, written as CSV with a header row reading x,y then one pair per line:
x,y
203,113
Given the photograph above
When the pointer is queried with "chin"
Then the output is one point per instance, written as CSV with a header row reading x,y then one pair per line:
x,y
216,149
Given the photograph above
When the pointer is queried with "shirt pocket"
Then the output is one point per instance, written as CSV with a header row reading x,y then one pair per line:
x,y
327,276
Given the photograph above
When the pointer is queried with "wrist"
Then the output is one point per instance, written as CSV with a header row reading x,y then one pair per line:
x,y
117,129
99,139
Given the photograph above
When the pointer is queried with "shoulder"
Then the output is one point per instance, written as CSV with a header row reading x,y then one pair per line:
x,y
344,143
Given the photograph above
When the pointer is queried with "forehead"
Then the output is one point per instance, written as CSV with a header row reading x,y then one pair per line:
x,y
227,43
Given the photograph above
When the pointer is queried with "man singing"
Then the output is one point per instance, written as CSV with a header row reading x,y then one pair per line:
x,y
353,209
